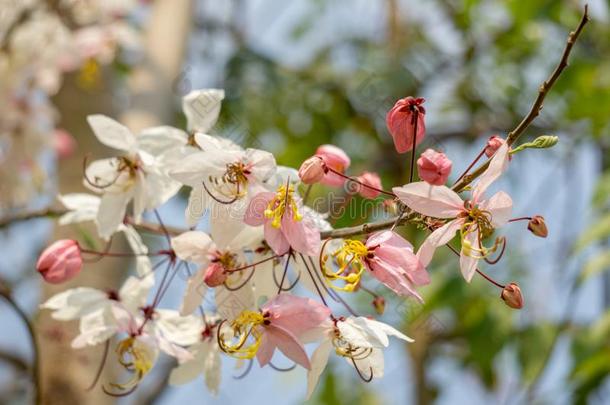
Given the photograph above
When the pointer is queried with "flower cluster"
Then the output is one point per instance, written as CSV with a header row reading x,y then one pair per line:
x,y
40,42
262,243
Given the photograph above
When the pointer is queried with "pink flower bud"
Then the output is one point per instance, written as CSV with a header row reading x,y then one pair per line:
x,y
511,294
63,143
370,179
434,167
406,120
493,144
60,262
312,170
336,159
215,275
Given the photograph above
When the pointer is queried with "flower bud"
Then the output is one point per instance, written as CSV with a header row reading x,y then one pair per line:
x,y
511,294
215,275
434,167
60,262
312,170
404,120
336,159
537,226
379,304
63,143
493,144
370,179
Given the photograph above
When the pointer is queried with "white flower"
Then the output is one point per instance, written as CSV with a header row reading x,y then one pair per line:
x,y
357,339
135,176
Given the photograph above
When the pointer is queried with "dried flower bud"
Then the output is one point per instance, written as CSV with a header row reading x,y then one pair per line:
x,y
511,294
215,275
537,226
370,179
312,170
336,159
403,120
60,262
434,167
379,304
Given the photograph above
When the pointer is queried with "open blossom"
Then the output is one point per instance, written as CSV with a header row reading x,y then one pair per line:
x,y
360,341
60,262
475,219
285,227
386,256
336,159
278,325
136,176
434,167
369,179
405,121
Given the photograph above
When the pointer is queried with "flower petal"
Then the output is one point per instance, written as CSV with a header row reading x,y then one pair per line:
x,y
433,201
500,206
319,359
202,108
497,166
111,133
468,264
439,237
193,246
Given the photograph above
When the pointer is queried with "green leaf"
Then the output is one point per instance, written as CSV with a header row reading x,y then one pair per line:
x,y
596,232
595,265
532,349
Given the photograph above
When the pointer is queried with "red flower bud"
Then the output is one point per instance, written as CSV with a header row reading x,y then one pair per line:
x,y
493,144
312,170
215,275
511,294
336,159
405,121
370,179
60,262
434,167
537,226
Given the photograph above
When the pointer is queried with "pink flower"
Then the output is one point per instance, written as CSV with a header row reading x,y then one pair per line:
x,y
493,144
403,120
390,259
434,167
370,179
215,275
312,170
288,318
336,159
284,226
476,219
64,143
60,262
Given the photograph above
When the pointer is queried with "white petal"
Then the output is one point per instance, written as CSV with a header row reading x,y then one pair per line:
x,y
202,108
210,143
500,206
74,303
83,207
198,167
181,330
229,304
135,290
95,328
193,246
319,359
468,264
111,213
263,164
111,133
194,293
433,201
439,237
497,166
197,204
160,189
212,369
158,140
143,265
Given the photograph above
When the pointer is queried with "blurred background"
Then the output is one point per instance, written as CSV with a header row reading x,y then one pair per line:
x,y
302,73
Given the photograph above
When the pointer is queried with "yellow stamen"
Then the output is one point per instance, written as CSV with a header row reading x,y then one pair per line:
x,y
90,76
135,358
345,349
246,325
283,201
350,261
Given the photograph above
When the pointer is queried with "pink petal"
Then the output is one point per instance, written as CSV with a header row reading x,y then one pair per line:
x,y
497,166
392,277
265,350
500,206
276,239
256,208
433,201
288,344
439,237
302,235
296,314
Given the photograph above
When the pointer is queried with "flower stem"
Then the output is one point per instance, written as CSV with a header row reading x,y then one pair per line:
x,y
388,193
